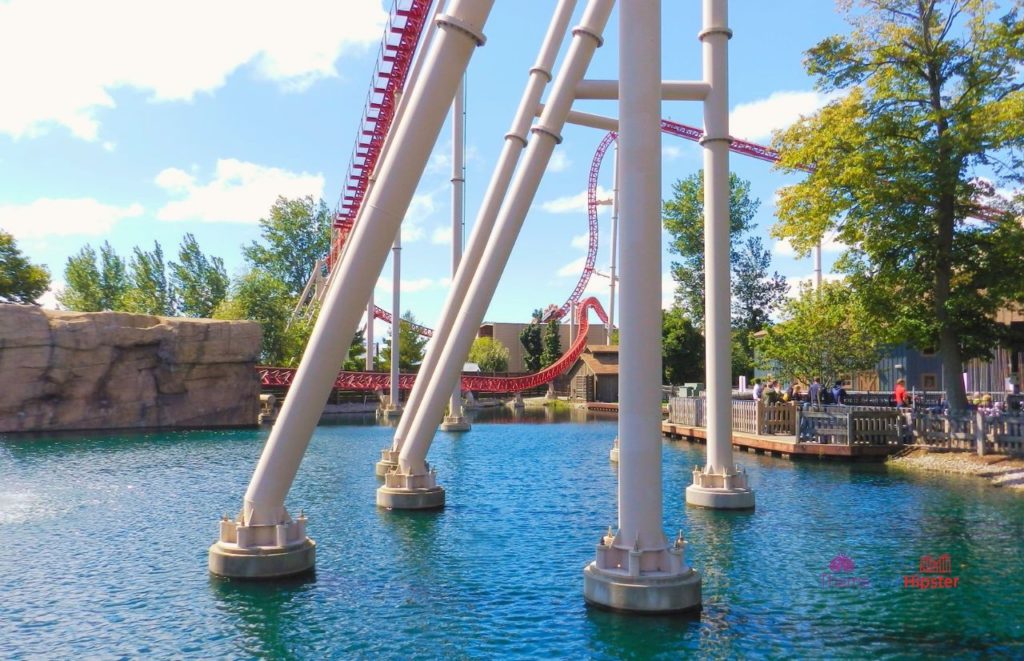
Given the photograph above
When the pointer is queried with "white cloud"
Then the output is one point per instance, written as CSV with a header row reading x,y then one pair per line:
x,y
756,120
668,291
796,283
559,161
442,236
581,241
573,268
239,192
48,299
573,203
409,286
72,56
421,208
671,152
47,217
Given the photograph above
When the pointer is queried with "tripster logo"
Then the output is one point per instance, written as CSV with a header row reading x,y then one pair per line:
x,y
840,574
940,570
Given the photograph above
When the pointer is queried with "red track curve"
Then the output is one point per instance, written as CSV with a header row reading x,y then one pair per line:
x,y
283,376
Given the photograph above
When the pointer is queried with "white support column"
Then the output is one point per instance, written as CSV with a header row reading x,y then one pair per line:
x,y
264,541
615,246
817,267
413,485
720,485
394,407
515,142
369,333
636,569
455,421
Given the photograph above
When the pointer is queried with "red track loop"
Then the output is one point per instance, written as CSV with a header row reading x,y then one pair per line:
x,y
283,376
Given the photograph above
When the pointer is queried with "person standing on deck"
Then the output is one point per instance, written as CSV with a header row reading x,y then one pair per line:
x,y
814,393
900,393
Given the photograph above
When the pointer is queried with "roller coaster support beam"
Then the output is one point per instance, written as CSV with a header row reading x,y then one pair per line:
x,y
612,277
719,485
515,142
455,420
394,407
369,334
636,569
671,90
412,475
265,541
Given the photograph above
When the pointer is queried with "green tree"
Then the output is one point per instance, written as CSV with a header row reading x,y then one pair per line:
x,y
934,93
552,343
683,217
82,291
682,348
295,235
533,345
411,348
199,283
756,296
828,333
356,360
490,354
113,279
148,290
261,297
20,280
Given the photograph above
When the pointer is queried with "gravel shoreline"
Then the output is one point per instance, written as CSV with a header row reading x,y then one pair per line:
x,y
1000,470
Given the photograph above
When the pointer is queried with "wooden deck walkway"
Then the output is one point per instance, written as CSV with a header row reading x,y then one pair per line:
x,y
784,446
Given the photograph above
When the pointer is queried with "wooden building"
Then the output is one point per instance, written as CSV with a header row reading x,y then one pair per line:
x,y
595,376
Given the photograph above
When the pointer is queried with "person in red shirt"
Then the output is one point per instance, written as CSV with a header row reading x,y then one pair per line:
x,y
900,392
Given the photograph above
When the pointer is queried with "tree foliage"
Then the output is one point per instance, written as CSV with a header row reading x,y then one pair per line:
x,y
933,100
682,348
148,291
827,333
683,217
533,345
199,282
295,235
411,346
21,281
755,294
82,282
552,343
489,354
259,296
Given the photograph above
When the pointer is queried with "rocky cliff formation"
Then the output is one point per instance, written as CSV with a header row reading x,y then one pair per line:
x,y
113,370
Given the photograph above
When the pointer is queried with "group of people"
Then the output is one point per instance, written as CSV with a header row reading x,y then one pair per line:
x,y
772,393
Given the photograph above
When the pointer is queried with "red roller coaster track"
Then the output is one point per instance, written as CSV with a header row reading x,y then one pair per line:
x,y
283,376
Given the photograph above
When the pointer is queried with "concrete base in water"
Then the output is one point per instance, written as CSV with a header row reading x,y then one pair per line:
x,y
613,454
457,423
720,498
399,498
614,590
388,462
390,412
262,562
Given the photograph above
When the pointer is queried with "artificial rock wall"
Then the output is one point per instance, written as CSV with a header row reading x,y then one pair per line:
x,y
114,370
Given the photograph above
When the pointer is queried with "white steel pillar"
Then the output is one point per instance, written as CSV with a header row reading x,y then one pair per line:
x,y
615,243
636,569
413,485
455,421
515,142
265,541
394,407
817,267
369,333
720,485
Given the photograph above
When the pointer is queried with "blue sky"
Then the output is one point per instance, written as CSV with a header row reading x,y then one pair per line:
x,y
132,122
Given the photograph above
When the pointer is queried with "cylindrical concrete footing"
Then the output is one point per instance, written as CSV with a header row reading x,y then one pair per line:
x,y
262,562
719,498
397,498
388,462
613,454
390,412
457,423
613,590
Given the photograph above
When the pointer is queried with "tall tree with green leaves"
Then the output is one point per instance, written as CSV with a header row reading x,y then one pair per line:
x,y
199,282
533,345
21,281
113,278
828,333
294,236
411,346
682,348
489,354
932,102
552,343
757,294
148,289
259,296
683,217
82,291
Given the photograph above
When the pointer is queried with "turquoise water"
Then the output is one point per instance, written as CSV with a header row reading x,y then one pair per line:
x,y
103,543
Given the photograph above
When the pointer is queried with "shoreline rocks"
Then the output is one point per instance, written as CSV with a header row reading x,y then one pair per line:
x,y
999,470
69,371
